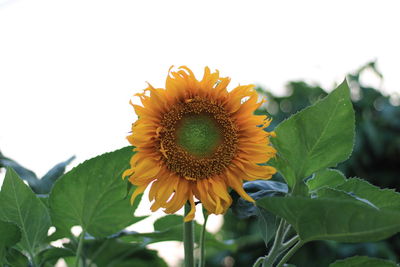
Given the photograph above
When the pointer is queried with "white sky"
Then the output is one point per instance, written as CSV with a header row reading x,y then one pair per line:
x,y
69,68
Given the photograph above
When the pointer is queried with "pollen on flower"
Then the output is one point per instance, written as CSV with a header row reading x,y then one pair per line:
x,y
189,151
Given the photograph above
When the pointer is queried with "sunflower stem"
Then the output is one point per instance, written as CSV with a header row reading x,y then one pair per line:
x,y
188,239
79,249
202,260
276,247
258,262
33,260
290,253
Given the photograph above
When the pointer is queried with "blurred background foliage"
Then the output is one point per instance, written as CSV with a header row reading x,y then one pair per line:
x,y
376,158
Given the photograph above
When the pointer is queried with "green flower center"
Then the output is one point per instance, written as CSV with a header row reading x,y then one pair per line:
x,y
198,134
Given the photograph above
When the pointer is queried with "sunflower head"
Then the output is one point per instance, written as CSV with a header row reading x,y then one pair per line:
x,y
195,139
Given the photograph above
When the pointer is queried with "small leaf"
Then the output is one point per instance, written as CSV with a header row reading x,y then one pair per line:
x,y
327,177
22,207
268,224
317,137
22,172
363,261
334,219
93,195
45,184
256,189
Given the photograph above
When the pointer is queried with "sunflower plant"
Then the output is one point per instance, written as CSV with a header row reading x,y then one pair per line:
x,y
198,145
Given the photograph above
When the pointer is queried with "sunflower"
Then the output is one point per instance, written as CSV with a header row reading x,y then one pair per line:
x,y
195,139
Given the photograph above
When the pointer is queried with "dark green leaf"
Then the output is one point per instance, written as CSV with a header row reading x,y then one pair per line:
x,y
9,236
317,137
382,198
22,172
15,258
256,189
22,207
93,195
363,261
47,181
113,252
327,192
334,219
268,224
51,255
327,177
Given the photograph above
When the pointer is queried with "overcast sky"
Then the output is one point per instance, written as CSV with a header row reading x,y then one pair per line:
x,y
69,68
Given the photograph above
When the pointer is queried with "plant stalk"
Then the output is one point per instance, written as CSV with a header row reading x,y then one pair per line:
x,y
34,264
276,247
258,262
79,249
290,253
202,260
188,239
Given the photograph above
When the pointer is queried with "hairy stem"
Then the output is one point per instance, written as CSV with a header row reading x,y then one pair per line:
x,y
202,260
290,253
276,247
258,262
79,249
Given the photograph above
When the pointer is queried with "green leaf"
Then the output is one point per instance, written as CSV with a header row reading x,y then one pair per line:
x,y
327,177
114,252
51,255
10,235
15,258
382,198
256,189
334,193
334,219
46,182
22,207
22,172
268,224
317,137
93,195
363,261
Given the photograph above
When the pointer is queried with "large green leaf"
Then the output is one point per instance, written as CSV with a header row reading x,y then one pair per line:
x,y
363,261
340,220
317,137
22,207
10,235
93,195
